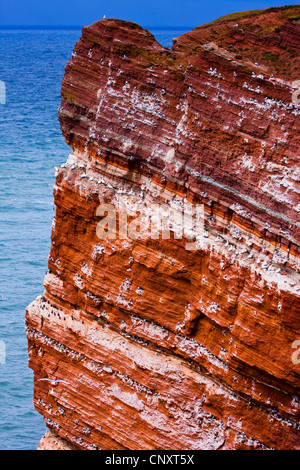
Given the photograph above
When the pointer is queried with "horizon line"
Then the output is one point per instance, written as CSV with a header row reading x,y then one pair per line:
x,y
73,27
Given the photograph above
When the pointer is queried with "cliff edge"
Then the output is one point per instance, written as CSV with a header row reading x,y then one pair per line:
x,y
175,342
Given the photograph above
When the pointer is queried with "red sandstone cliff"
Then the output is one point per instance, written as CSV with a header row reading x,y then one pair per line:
x,y
150,345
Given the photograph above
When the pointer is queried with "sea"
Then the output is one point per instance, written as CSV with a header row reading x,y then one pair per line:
x,y
32,64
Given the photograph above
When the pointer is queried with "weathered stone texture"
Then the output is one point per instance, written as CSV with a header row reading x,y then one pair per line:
x,y
157,346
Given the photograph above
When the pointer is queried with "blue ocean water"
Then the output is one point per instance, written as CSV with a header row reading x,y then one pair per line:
x,y
31,145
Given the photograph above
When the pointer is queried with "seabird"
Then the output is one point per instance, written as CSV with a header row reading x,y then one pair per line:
x,y
53,382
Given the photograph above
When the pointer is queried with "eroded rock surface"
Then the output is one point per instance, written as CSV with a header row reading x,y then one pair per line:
x,y
144,343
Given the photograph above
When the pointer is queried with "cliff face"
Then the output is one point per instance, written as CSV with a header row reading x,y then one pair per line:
x,y
146,344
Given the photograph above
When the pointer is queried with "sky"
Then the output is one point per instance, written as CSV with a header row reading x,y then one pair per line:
x,y
154,13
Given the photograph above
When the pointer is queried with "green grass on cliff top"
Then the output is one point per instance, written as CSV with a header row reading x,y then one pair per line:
x,y
241,14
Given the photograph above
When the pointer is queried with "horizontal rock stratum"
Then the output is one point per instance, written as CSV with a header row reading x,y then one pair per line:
x,y
140,342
